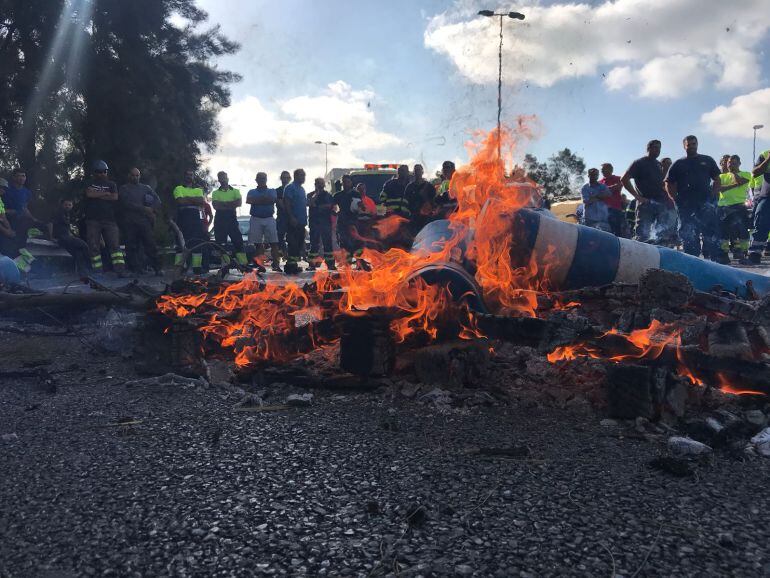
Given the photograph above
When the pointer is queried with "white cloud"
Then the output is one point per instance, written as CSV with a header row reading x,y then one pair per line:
x,y
661,48
257,138
737,118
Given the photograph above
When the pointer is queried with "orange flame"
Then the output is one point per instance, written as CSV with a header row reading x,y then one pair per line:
x,y
249,316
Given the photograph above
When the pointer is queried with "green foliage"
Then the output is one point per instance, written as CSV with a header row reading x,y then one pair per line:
x,y
560,176
116,80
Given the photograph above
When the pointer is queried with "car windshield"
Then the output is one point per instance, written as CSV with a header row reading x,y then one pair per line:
x,y
373,182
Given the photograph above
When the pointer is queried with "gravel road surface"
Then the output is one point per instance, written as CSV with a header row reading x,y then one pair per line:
x,y
365,484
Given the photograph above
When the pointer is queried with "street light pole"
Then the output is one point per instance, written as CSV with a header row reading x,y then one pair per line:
x,y
515,16
754,149
326,153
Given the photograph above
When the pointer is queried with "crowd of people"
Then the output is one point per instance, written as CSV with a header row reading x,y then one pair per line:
x,y
707,209
112,217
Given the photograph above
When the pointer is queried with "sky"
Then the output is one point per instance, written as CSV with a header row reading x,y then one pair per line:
x,y
415,80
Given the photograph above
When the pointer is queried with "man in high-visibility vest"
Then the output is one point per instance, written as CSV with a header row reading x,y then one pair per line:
x,y
190,201
393,194
733,215
226,200
761,209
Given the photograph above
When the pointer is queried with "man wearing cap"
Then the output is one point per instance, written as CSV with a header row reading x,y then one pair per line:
x,y
100,203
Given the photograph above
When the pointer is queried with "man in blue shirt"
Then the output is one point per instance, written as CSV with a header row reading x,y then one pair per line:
x,y
262,225
596,212
295,202
16,199
693,182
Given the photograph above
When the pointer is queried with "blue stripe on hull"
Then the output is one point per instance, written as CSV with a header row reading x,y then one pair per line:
x,y
705,275
526,225
596,259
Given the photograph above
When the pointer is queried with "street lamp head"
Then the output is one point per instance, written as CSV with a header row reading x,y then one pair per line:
x,y
319,142
334,144
486,12
758,126
516,15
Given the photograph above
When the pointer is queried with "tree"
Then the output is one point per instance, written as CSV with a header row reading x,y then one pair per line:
x,y
111,80
560,176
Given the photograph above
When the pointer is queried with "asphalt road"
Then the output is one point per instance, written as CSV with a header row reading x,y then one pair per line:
x,y
364,484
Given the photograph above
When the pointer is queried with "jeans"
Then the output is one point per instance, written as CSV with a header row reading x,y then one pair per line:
x,y
696,223
656,223
761,225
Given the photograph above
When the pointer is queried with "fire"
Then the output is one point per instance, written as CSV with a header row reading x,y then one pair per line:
x,y
725,387
250,316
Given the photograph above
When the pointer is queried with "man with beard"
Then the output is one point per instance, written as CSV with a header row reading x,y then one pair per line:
x,y
693,183
656,215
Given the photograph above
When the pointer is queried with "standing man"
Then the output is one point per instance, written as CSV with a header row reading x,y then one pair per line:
x,y
759,237
138,203
62,232
693,183
190,201
100,204
226,200
345,218
320,204
282,219
16,200
393,194
420,194
595,209
614,202
295,201
656,216
732,212
262,224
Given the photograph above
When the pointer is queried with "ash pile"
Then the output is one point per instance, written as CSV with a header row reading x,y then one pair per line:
x,y
658,361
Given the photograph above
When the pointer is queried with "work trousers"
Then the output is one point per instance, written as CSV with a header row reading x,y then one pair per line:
x,y
140,242
656,223
226,226
321,233
295,241
78,248
190,223
696,224
761,227
734,230
108,230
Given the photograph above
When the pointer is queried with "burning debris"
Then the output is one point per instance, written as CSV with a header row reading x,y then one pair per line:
x,y
503,299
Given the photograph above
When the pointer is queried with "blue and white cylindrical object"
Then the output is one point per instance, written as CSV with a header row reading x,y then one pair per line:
x,y
573,256
9,272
